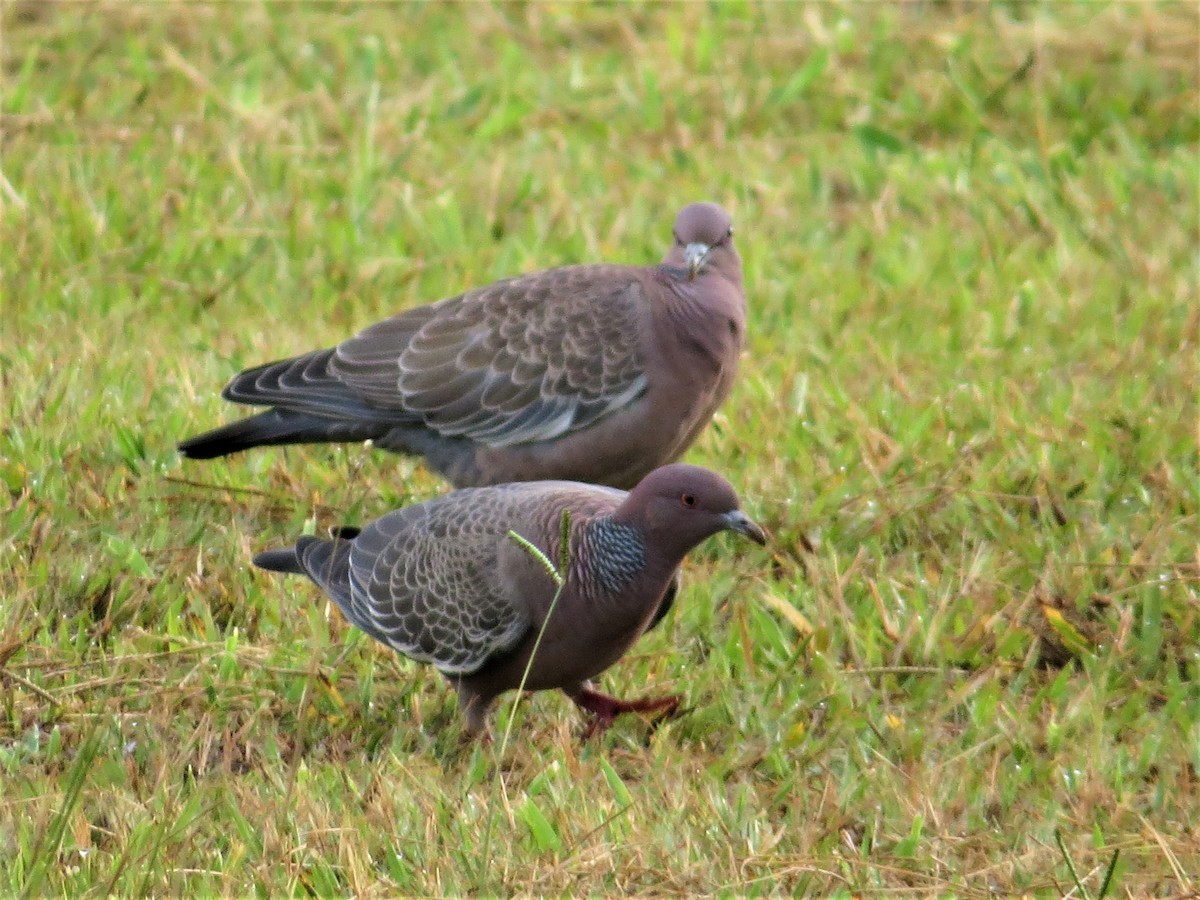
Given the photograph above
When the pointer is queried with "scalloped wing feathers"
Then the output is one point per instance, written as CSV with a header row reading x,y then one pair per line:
x,y
525,359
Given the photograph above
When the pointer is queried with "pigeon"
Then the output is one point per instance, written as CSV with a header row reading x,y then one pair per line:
x,y
446,582
592,373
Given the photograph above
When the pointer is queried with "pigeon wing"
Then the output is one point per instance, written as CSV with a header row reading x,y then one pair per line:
x,y
525,359
425,581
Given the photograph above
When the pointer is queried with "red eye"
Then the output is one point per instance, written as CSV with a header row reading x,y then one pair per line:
x,y
688,500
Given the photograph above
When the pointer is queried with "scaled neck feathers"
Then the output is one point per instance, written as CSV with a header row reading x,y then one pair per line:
x,y
610,555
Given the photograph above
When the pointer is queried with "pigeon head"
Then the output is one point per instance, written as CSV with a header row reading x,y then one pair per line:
x,y
679,506
703,237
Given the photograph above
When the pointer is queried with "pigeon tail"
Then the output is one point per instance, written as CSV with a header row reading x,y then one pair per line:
x,y
285,560
276,428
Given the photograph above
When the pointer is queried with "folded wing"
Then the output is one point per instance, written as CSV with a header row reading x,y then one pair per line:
x,y
523,360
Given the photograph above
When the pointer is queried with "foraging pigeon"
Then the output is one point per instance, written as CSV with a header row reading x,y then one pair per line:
x,y
444,582
596,373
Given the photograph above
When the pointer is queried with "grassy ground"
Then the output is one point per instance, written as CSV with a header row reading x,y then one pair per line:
x,y
969,661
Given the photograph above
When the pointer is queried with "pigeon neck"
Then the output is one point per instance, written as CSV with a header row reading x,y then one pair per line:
x,y
729,267
704,318
612,553
670,542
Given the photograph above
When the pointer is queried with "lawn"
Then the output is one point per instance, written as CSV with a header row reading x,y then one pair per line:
x,y
969,660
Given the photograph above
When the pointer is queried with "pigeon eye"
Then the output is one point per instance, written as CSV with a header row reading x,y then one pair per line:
x,y
688,500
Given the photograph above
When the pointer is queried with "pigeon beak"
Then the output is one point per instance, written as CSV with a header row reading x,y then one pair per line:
x,y
738,521
694,255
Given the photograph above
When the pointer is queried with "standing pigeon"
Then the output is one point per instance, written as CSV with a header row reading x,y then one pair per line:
x,y
443,582
596,373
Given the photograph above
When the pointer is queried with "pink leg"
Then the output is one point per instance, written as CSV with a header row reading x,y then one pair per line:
x,y
605,709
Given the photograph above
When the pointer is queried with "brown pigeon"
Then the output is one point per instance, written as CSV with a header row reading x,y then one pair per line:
x,y
443,582
596,373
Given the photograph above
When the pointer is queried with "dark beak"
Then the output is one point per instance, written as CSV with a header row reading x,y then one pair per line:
x,y
741,523
694,256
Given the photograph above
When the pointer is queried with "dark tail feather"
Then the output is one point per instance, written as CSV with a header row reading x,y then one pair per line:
x,y
300,559
276,427
285,560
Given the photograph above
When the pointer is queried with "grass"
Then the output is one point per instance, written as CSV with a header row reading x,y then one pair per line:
x,y
968,661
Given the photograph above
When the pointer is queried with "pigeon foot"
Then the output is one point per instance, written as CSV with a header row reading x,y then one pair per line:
x,y
605,709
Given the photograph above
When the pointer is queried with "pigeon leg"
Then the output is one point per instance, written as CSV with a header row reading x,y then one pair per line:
x,y
605,709
475,708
